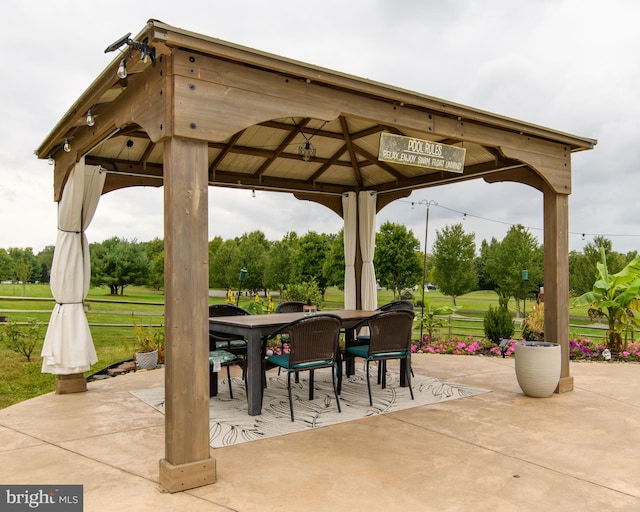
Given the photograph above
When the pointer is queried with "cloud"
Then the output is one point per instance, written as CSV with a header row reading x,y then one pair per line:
x,y
569,64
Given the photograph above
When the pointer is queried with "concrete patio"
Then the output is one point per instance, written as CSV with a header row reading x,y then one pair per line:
x,y
499,451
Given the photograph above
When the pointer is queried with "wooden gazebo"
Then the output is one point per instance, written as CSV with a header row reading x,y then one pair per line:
x,y
194,111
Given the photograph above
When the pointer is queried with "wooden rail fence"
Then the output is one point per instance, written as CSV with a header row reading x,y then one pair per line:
x,y
462,324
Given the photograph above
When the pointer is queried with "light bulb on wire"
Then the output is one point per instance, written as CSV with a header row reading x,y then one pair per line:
x,y
122,69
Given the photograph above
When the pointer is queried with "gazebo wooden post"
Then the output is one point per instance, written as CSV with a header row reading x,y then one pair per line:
x,y
187,463
556,278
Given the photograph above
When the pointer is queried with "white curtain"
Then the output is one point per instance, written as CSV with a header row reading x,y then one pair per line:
x,y
367,217
68,346
349,212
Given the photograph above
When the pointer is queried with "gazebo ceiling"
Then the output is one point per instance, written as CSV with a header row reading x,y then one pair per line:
x,y
349,115
266,156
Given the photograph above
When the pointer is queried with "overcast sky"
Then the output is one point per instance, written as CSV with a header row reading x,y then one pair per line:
x,y
569,65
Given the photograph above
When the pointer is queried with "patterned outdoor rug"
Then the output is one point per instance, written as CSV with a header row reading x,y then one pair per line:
x,y
230,423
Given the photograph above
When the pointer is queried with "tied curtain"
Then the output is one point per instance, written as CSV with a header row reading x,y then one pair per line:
x,y
367,229
350,212
68,345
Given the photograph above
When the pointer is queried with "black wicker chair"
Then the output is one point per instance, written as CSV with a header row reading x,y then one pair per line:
x,y
396,305
313,344
390,338
291,306
221,341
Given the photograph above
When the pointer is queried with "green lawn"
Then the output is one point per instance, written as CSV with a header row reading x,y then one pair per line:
x,y
22,380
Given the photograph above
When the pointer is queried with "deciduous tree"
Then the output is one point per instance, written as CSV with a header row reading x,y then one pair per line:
x,y
396,259
518,251
312,252
279,267
453,261
118,263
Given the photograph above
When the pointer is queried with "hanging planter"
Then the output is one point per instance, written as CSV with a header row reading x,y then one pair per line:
x,y
538,367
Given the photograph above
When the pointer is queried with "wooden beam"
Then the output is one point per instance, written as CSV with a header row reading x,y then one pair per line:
x,y
225,151
187,463
523,175
556,278
334,202
352,154
554,169
284,144
143,103
300,73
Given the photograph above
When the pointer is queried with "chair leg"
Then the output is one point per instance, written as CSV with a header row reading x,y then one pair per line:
x,y
310,383
335,391
229,379
290,398
339,362
369,385
409,373
384,373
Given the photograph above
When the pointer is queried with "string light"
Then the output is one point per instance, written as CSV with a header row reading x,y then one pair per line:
x,y
469,215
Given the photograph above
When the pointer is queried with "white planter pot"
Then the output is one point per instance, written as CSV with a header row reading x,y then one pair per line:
x,y
147,360
538,367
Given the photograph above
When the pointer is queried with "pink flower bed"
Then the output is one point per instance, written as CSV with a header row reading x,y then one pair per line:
x,y
579,348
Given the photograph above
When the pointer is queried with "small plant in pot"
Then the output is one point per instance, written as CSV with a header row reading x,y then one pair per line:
x,y
537,362
533,326
149,346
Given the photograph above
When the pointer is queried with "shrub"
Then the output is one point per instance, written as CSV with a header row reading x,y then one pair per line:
x,y
303,291
498,324
258,306
22,340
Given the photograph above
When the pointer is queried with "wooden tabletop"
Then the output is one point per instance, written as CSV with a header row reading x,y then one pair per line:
x,y
278,319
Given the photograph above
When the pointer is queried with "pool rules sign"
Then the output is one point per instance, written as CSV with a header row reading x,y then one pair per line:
x,y
421,153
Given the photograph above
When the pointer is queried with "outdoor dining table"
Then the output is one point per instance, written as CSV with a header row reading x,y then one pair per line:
x,y
255,327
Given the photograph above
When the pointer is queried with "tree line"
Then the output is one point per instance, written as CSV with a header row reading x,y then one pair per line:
x,y
456,265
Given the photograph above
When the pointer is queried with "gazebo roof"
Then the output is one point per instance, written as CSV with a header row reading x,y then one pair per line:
x,y
256,109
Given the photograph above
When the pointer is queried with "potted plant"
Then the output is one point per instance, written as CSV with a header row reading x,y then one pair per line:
x,y
538,362
149,346
538,367
533,325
